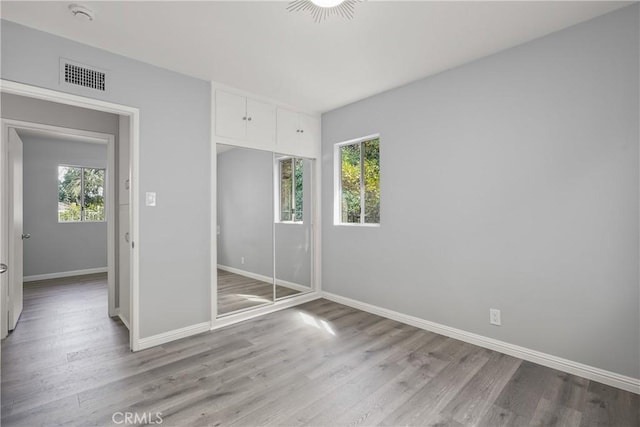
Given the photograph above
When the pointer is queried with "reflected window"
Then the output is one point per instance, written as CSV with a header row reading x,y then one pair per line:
x,y
290,174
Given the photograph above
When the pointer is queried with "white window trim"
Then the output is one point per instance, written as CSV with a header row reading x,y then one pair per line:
x,y
337,183
82,220
277,183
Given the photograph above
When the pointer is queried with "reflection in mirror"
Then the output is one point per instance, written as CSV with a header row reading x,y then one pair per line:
x,y
293,233
244,228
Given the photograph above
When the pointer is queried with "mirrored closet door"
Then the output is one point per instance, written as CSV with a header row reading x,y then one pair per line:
x,y
293,218
244,228
264,228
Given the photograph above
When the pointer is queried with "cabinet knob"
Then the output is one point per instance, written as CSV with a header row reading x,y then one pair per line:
x,y
301,130
298,130
249,118
244,118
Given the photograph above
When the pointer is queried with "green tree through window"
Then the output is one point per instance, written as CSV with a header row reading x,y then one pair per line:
x,y
291,189
360,182
80,194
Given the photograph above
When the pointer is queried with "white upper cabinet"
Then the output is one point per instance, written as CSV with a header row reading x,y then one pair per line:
x,y
261,122
298,134
244,119
231,115
247,122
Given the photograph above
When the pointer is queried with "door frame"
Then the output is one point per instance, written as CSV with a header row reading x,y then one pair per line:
x,y
133,114
91,137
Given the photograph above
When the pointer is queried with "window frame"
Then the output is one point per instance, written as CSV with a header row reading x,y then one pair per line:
x,y
337,183
278,186
82,193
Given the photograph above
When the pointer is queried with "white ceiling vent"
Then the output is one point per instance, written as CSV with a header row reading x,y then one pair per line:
x,y
74,74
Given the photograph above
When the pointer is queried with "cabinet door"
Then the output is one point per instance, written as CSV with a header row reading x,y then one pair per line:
x,y
288,131
261,123
231,113
309,136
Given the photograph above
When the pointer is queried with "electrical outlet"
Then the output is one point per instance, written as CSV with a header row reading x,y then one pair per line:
x,y
494,317
242,260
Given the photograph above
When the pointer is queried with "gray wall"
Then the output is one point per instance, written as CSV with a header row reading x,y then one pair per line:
x,y
58,247
511,183
245,210
174,162
245,217
51,113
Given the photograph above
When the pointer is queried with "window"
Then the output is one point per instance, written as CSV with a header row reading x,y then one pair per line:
x,y
80,194
357,179
290,172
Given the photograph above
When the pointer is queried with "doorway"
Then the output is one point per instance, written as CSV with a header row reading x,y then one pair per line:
x,y
113,211
74,171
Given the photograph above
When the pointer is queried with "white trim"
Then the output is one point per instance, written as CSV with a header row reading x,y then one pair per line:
x,y
213,234
262,278
124,319
173,335
15,88
337,182
61,274
232,318
590,372
294,286
22,89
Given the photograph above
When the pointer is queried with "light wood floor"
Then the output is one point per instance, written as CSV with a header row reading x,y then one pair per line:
x,y
237,292
319,364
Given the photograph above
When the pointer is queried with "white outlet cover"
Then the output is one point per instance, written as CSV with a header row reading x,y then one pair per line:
x,y
494,317
150,198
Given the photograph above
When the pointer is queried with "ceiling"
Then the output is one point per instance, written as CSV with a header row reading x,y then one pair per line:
x,y
261,48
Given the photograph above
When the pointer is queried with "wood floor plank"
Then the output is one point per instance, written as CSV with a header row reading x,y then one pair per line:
x,y
426,403
317,364
476,397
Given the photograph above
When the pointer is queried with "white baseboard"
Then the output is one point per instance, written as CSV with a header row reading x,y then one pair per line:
x,y
64,274
291,285
592,373
279,282
173,335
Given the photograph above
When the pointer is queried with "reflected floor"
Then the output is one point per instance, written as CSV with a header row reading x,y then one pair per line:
x,y
236,292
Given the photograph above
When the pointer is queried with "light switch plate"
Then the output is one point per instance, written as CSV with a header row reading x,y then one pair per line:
x,y
150,198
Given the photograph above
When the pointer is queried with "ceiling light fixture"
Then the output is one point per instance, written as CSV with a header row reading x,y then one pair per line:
x,y
82,12
321,9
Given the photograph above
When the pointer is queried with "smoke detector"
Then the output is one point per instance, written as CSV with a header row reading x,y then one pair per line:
x,y
82,12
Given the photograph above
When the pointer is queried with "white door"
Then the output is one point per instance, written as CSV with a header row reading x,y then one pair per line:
x,y
231,115
15,228
124,269
4,231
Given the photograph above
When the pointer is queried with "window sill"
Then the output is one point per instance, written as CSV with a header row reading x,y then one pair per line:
x,y
366,225
82,222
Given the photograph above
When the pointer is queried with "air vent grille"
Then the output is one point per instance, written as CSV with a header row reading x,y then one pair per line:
x,y
85,77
